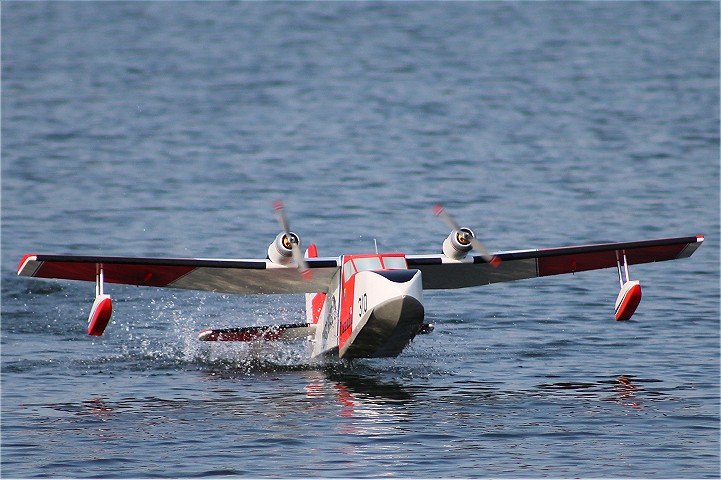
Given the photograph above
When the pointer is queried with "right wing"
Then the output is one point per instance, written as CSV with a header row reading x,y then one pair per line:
x,y
272,333
225,276
439,272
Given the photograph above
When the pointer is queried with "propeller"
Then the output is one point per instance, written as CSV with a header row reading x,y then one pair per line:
x,y
465,236
290,240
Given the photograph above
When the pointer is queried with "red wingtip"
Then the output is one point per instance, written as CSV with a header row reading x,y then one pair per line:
x,y
24,261
207,336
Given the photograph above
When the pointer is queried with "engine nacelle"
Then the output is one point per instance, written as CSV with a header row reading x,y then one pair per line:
x,y
281,250
458,243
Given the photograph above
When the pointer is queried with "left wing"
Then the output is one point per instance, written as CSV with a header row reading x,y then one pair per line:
x,y
224,276
440,272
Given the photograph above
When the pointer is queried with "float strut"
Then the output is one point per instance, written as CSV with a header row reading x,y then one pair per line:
x,y
99,280
102,307
625,269
630,295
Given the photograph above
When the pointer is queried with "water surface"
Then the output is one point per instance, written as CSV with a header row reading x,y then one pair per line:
x,y
167,129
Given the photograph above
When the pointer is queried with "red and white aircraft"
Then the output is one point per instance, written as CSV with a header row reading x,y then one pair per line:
x,y
357,306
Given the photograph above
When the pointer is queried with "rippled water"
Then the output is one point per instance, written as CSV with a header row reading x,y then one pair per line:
x,y
163,128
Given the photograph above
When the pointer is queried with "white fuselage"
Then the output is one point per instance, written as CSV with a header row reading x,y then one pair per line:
x,y
373,309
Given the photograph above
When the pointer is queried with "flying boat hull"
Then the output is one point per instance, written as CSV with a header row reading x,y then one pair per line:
x,y
386,329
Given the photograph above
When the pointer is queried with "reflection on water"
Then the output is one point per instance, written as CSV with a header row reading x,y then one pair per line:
x,y
624,390
96,407
363,397
370,387
340,410
357,390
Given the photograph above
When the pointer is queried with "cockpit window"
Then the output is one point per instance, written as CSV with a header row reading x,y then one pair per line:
x,y
348,270
371,263
395,263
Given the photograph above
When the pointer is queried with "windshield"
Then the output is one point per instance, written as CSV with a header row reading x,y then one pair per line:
x,y
398,263
361,264
370,263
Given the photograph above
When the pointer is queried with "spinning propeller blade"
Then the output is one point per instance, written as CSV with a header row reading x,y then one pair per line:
x,y
293,240
494,260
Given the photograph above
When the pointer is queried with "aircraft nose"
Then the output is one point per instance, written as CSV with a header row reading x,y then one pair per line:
x,y
398,276
395,283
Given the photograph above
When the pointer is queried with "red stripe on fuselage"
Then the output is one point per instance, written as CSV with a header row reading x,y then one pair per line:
x,y
317,306
319,298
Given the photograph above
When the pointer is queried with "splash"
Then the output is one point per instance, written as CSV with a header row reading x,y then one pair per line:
x,y
168,339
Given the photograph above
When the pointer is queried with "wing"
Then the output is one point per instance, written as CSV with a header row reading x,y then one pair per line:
x,y
273,333
224,276
262,276
440,272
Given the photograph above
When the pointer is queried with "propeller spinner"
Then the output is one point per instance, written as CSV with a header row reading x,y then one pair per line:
x,y
291,241
462,240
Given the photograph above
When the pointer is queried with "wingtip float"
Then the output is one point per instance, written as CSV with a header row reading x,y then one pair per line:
x,y
358,305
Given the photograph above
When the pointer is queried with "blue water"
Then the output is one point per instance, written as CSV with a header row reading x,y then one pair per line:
x,y
167,129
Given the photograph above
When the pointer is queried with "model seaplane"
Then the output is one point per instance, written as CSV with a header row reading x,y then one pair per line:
x,y
357,306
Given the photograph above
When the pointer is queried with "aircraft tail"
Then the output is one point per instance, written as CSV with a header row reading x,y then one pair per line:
x,y
313,301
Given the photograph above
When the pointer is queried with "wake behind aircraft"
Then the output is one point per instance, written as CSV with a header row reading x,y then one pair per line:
x,y
357,306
